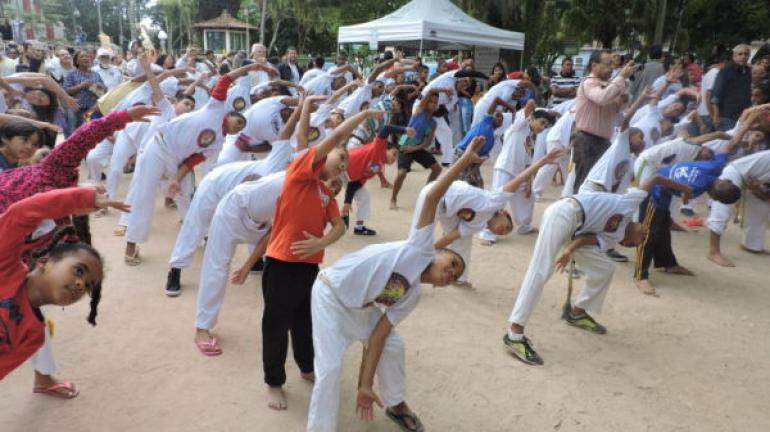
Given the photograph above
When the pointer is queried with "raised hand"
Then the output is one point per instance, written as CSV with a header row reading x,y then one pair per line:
x,y
140,112
102,201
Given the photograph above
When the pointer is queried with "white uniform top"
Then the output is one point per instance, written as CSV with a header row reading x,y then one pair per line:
x,y
565,107
111,76
559,134
756,166
263,121
706,84
667,153
167,114
197,132
226,177
321,84
142,95
607,214
649,123
661,81
258,198
4,104
475,205
317,126
354,103
200,95
357,279
503,90
515,154
613,170
309,75
259,77
446,80
239,97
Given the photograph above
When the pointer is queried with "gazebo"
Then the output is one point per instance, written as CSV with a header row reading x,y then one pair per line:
x,y
225,33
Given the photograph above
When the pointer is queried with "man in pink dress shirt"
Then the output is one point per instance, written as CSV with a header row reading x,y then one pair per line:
x,y
597,107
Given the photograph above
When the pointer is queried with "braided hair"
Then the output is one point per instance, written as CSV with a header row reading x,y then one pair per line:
x,y
65,242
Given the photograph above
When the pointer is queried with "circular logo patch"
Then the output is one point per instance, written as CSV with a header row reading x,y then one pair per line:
x,y
364,106
466,214
239,104
206,138
313,134
613,223
395,289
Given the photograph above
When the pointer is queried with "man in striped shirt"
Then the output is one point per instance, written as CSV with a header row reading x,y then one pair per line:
x,y
564,84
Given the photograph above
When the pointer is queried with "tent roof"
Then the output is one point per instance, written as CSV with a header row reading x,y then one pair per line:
x,y
224,21
438,23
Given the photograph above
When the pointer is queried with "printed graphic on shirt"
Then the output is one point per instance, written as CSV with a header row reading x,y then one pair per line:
x,y
206,138
239,104
613,223
325,198
373,168
466,214
276,123
13,315
251,177
655,135
313,134
364,106
395,289
620,171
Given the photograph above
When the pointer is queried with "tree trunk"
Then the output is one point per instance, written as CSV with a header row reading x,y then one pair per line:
x,y
661,19
276,27
262,22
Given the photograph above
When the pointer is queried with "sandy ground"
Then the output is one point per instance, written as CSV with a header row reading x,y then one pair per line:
x,y
695,359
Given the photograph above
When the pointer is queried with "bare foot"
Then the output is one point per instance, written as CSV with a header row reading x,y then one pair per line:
x,y
386,185
486,243
645,287
393,205
310,376
678,270
46,381
202,335
276,398
717,258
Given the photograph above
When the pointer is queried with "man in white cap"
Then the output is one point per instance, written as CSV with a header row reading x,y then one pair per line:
x,y
110,74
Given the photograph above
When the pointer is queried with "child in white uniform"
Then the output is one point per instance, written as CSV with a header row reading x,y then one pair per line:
x,y
362,297
196,135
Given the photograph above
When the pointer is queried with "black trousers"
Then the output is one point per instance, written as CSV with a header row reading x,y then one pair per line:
x,y
286,288
657,244
588,149
82,228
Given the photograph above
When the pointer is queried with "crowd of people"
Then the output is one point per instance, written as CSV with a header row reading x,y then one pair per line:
x,y
272,143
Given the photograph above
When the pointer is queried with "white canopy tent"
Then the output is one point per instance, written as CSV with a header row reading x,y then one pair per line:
x,y
431,24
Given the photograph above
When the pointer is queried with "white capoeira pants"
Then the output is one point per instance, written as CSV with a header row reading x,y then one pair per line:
x,y
149,172
195,226
229,228
121,153
335,327
98,159
363,204
755,220
230,152
544,176
444,137
560,222
521,205
43,360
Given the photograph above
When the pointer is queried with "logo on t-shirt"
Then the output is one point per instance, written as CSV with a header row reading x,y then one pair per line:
x,y
466,214
239,104
395,289
668,159
654,135
313,134
206,138
620,171
373,168
325,198
613,223
364,106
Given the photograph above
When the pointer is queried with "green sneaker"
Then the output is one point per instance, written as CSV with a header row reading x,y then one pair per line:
x,y
585,322
523,351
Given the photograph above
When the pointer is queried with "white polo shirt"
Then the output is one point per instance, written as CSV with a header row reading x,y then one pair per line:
x,y
607,214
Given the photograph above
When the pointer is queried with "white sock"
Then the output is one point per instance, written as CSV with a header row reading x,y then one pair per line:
x,y
515,336
359,225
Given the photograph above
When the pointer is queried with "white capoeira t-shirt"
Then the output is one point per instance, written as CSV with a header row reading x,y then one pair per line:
x,y
258,198
263,122
503,90
515,154
607,214
226,177
239,95
755,166
468,208
358,279
446,80
357,101
612,172
676,150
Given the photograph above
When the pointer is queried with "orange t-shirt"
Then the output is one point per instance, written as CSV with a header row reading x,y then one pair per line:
x,y
305,204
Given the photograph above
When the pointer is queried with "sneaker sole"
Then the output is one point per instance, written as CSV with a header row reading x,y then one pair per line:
x,y
173,293
603,332
519,358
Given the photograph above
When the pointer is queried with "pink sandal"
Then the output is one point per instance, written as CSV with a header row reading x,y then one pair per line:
x,y
209,348
52,390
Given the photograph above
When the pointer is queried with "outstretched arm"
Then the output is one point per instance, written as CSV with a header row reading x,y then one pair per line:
x,y
304,122
753,118
382,67
342,132
288,129
514,184
660,180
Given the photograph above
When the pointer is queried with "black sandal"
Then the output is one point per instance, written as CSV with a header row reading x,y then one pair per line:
x,y
399,420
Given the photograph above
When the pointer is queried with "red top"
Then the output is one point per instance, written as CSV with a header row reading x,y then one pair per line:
x,y
305,204
22,326
220,88
366,161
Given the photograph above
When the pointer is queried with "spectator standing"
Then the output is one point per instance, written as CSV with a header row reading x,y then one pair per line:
x,y
83,84
289,69
707,87
110,74
732,90
652,70
564,84
7,65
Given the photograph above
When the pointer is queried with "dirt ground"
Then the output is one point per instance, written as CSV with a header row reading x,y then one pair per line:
x,y
695,359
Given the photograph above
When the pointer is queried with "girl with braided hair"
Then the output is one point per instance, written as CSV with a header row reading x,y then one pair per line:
x,y
61,276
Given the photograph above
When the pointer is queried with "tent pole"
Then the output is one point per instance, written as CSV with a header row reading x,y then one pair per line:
x,y
521,60
420,48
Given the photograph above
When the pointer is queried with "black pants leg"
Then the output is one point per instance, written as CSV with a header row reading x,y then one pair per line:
x,y
657,244
286,288
82,228
588,149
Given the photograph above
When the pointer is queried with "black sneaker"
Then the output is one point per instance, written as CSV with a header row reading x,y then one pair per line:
x,y
364,231
258,266
585,322
173,287
616,256
522,350
687,212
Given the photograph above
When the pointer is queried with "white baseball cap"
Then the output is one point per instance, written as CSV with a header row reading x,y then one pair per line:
x,y
103,52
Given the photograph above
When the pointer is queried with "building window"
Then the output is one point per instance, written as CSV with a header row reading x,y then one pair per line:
x,y
215,40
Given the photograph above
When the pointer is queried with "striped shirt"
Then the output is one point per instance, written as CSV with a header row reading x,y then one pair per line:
x,y
564,83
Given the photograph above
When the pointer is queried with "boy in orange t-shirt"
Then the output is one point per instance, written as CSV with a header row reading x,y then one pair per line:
x,y
295,249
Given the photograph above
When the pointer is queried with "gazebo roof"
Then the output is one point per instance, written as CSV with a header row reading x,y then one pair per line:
x,y
224,21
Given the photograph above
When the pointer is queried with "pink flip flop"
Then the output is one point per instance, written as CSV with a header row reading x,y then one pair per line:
x,y
52,390
210,348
